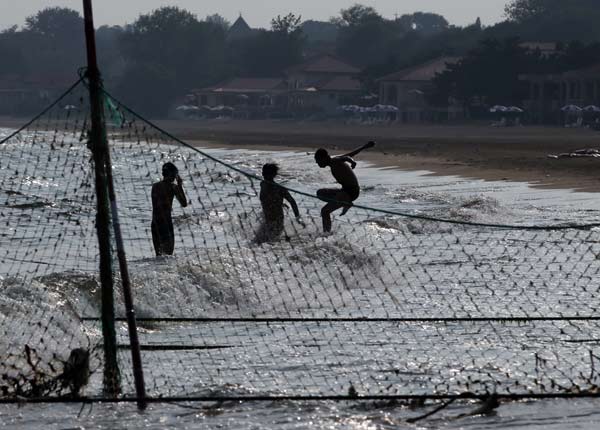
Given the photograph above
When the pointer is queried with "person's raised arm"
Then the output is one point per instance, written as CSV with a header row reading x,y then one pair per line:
x,y
179,193
367,145
347,159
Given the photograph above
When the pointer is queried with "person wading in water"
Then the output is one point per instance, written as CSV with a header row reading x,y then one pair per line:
x,y
271,200
163,192
342,170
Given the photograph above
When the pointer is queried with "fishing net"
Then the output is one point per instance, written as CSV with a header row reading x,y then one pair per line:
x,y
387,305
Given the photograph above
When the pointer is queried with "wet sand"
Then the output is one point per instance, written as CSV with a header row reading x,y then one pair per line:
x,y
472,150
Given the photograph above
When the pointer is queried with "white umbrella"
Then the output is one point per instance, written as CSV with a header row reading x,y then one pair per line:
x,y
70,107
515,109
571,108
391,108
183,107
591,108
498,108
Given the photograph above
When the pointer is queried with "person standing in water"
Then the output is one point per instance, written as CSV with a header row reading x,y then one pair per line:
x,y
342,170
271,200
163,192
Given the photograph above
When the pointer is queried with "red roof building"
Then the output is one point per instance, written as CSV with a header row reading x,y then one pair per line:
x,y
407,89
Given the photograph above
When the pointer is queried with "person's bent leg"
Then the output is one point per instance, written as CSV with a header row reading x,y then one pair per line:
x,y
326,215
327,194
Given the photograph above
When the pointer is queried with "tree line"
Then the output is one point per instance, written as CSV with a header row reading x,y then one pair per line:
x,y
165,53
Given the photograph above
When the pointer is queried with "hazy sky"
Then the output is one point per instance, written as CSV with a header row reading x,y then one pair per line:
x,y
258,13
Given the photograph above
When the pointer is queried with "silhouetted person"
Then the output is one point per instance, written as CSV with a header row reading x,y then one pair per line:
x,y
342,170
271,200
163,192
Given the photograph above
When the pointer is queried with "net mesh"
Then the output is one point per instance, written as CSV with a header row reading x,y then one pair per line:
x,y
386,305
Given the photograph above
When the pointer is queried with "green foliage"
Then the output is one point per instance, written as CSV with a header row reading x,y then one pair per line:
x,y
286,24
556,19
356,15
218,20
319,31
170,52
55,22
490,73
427,23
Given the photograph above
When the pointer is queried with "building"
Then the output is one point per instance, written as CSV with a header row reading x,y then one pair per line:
x,y
318,85
548,93
322,83
24,96
240,29
251,97
407,89
545,49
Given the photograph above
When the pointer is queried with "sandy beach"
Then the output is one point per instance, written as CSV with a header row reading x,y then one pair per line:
x,y
479,151
472,150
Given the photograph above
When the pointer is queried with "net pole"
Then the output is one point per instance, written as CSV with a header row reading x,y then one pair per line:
x,y
136,358
100,150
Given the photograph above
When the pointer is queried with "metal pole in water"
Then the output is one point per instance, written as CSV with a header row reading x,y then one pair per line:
x,y
136,358
112,379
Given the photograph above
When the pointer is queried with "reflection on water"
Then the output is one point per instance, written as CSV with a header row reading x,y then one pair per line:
x,y
375,265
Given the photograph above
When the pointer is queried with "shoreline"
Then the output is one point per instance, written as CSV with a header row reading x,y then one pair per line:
x,y
470,151
518,154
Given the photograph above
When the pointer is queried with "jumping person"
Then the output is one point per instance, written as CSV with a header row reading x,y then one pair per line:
x,y
163,192
271,200
342,170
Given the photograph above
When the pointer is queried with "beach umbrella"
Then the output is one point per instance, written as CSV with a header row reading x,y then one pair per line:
x,y
183,107
391,108
498,108
591,108
514,109
571,108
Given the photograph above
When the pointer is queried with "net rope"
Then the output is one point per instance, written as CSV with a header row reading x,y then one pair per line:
x,y
440,303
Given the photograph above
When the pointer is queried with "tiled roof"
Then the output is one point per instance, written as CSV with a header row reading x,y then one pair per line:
x,y
340,83
325,63
422,72
242,85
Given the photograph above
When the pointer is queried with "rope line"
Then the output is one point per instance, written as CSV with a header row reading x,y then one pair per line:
x,y
43,112
334,398
361,320
383,211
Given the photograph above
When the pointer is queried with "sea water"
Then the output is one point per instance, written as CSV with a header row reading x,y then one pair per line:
x,y
165,284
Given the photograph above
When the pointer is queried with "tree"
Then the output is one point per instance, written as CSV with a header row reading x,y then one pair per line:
x,y
269,52
55,22
489,73
174,52
287,24
53,42
424,22
218,20
555,19
355,15
363,35
319,31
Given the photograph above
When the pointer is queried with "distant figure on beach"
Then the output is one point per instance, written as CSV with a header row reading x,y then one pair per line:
x,y
342,170
163,192
271,200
